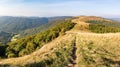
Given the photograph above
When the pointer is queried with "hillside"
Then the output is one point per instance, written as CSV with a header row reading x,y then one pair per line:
x,y
27,45
79,42
98,50
17,24
25,26
52,21
97,24
5,37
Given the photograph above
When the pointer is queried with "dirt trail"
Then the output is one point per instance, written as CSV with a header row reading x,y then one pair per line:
x,y
73,60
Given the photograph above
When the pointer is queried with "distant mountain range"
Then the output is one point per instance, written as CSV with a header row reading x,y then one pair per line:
x,y
116,19
16,24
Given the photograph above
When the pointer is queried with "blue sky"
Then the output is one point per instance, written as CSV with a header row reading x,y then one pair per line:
x,y
105,8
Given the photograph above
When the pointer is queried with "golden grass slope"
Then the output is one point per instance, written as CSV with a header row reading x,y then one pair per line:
x,y
98,50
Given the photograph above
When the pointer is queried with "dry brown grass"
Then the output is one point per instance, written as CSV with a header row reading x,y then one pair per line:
x,y
98,50
80,26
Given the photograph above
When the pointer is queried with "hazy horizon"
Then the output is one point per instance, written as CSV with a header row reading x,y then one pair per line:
x,y
47,8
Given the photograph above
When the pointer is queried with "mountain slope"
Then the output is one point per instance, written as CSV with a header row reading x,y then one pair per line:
x,y
78,47
53,51
5,37
16,24
27,45
53,21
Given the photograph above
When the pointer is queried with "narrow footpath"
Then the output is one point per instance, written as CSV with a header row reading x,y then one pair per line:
x,y
73,60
